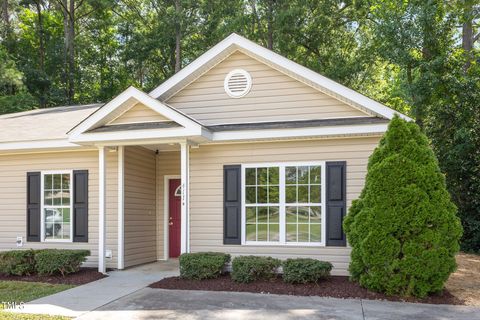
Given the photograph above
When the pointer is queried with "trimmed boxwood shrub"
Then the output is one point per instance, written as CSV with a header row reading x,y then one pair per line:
x,y
305,270
246,269
55,261
403,229
202,265
17,262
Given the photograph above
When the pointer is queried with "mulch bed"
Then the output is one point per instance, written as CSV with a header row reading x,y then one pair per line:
x,y
85,275
335,287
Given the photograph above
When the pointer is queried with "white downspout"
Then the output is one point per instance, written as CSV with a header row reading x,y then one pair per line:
x,y
101,209
121,206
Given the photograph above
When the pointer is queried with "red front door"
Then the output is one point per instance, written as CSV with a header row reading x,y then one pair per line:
x,y
174,222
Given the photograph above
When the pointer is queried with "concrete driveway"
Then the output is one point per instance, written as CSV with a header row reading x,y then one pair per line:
x,y
150,303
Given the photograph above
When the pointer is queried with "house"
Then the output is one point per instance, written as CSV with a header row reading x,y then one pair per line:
x,y
242,151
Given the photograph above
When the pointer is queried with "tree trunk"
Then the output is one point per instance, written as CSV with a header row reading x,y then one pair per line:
x,y
270,25
467,34
5,19
71,52
178,36
41,49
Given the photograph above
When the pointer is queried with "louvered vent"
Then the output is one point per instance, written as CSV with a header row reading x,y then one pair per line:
x,y
237,83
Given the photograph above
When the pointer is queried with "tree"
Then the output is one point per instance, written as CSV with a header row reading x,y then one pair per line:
x,y
403,229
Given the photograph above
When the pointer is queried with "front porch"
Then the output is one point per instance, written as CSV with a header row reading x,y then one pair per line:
x,y
152,203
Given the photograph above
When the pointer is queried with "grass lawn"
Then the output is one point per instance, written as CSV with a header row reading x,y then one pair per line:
x,y
20,291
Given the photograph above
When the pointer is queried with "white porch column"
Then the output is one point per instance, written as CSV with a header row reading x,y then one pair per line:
x,y
121,223
101,208
185,217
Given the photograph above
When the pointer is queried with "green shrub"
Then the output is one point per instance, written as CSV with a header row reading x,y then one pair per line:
x,y
403,229
304,270
203,265
55,261
246,269
17,262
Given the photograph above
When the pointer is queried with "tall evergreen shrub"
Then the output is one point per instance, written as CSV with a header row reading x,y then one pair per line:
x,y
403,229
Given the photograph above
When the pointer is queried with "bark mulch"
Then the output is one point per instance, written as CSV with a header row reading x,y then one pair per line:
x,y
85,275
335,287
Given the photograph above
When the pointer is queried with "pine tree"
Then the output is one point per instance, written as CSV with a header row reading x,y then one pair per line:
x,y
403,229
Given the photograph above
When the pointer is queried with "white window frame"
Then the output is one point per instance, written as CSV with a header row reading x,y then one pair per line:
x,y
42,207
282,204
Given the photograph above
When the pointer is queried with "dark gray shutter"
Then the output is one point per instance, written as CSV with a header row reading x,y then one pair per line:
x,y
80,206
33,206
336,202
232,204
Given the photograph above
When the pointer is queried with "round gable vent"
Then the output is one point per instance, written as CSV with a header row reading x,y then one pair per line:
x,y
237,83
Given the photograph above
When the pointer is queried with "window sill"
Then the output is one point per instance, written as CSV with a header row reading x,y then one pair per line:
x,y
57,241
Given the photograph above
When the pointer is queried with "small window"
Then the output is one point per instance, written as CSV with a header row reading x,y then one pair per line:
x,y
57,206
237,83
178,191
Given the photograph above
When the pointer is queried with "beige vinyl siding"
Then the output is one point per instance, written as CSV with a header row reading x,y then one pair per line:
x,y
274,97
140,217
139,113
13,194
206,189
168,164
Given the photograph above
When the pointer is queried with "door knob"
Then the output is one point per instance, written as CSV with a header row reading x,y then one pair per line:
x,y
170,223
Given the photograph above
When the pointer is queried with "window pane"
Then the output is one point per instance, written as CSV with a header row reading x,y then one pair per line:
x,y
48,198
315,174
291,213
262,194
291,175
291,235
302,175
302,194
47,181
303,214
273,232
251,232
57,197
66,215
273,176
262,232
303,232
251,214
57,181
315,194
262,214
291,194
273,214
66,231
250,174
273,194
315,233
66,197
261,176
65,181
315,214
251,195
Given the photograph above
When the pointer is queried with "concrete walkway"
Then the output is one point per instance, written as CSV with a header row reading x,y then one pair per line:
x,y
79,300
193,305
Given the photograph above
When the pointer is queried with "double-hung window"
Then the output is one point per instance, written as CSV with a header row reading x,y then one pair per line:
x,y
283,203
57,206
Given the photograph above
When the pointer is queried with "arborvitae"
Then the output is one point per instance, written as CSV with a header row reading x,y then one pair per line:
x,y
403,229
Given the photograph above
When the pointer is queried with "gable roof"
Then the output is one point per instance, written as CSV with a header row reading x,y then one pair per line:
x,y
236,42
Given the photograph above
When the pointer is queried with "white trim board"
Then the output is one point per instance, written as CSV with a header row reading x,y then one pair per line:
x,y
236,42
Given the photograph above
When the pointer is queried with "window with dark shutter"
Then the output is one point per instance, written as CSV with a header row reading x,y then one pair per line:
x,y
33,206
336,202
80,206
232,203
